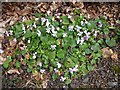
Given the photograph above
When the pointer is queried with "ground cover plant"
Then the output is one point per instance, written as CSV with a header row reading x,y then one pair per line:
x,y
66,47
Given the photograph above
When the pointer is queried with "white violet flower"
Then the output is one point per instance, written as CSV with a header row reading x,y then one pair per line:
x,y
48,12
71,28
43,20
80,33
59,65
34,55
28,41
62,78
53,47
54,33
34,25
23,19
82,23
11,32
23,27
47,23
38,32
64,34
69,16
39,63
42,70
78,28
56,71
48,30
58,28
1,51
75,69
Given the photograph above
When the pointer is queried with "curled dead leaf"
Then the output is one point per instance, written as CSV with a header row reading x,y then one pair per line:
x,y
107,52
13,71
27,56
13,42
44,83
24,11
2,24
2,30
2,60
114,56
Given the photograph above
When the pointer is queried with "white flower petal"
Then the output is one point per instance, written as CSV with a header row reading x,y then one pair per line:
x,y
62,79
64,34
42,70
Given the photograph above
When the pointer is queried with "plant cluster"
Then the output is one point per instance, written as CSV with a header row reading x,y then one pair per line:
x,y
64,46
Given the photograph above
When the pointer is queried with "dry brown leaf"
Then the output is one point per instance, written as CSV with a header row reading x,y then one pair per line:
x,y
44,83
107,52
13,71
2,30
24,11
27,56
13,42
2,24
14,20
2,60
114,56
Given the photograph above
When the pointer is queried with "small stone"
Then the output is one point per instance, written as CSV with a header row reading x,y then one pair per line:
x,y
85,80
112,84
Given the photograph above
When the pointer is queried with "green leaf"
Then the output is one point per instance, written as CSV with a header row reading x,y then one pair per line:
x,y
54,76
90,67
84,69
52,55
65,20
28,34
29,70
53,63
6,64
29,22
96,47
9,59
93,61
37,15
61,53
24,52
68,81
51,69
111,42
17,64
87,51
83,59
111,27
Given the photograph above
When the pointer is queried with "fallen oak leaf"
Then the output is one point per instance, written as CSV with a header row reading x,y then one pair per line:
x,y
2,60
2,24
27,56
107,52
114,56
13,42
13,71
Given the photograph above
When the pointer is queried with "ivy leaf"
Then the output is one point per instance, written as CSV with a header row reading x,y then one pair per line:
x,y
111,42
